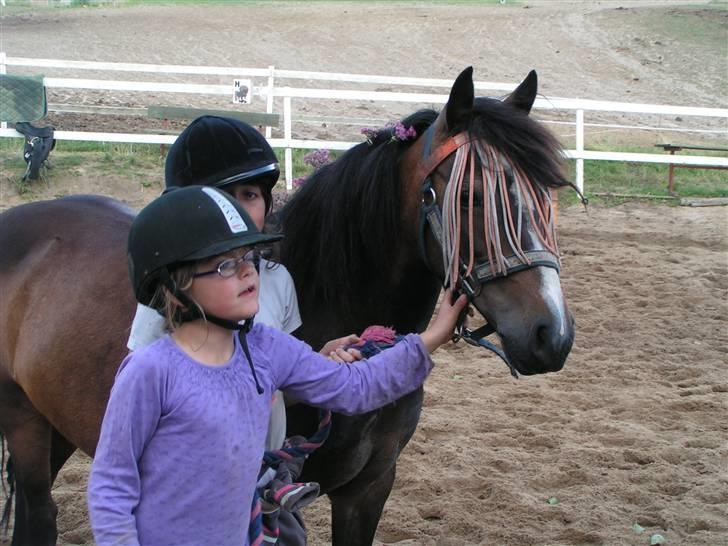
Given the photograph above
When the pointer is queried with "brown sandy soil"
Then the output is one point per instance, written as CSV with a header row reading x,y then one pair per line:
x,y
634,429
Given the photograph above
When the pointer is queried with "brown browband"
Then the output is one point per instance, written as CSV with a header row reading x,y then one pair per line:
x,y
439,154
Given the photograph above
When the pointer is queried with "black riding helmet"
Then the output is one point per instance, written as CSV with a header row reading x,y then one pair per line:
x,y
218,151
184,225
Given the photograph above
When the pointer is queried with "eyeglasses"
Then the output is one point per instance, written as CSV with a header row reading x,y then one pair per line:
x,y
230,267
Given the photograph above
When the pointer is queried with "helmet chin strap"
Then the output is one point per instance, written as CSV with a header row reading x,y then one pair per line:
x,y
193,313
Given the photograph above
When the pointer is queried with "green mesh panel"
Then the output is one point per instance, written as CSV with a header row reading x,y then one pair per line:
x,y
22,98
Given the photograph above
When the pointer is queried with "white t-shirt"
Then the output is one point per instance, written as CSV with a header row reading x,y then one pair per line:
x,y
278,308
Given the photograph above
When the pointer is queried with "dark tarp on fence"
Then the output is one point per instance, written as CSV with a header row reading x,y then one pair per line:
x,y
22,98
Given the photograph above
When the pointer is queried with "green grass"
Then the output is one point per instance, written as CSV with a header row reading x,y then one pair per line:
x,y
698,24
68,154
138,161
646,179
133,160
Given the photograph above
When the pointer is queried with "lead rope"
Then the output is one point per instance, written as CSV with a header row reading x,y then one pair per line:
x,y
284,494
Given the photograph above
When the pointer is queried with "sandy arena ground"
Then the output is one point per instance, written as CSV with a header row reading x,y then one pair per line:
x,y
634,429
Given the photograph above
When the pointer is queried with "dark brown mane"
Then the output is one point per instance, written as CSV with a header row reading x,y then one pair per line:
x,y
361,188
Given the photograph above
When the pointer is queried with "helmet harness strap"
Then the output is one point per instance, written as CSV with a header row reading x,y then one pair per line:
x,y
193,313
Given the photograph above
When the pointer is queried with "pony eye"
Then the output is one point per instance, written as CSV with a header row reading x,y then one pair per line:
x,y
465,199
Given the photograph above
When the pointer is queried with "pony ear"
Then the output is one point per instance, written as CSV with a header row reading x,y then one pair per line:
x,y
460,103
525,94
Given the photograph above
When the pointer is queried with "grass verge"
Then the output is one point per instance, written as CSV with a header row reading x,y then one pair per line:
x,y
644,180
144,162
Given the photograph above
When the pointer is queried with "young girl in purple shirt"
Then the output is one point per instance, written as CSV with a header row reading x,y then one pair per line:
x,y
183,435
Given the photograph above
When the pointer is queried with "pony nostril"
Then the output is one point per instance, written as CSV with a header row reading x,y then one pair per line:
x,y
553,343
545,335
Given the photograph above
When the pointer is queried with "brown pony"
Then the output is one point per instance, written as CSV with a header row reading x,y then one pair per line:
x,y
370,240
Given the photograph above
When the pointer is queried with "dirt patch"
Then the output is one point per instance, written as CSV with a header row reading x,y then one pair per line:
x,y
631,431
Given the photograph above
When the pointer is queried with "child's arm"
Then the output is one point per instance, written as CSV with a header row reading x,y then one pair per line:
x,y
368,384
131,417
441,328
439,332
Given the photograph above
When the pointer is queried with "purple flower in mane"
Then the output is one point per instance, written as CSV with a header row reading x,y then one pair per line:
x,y
399,132
298,182
402,133
369,133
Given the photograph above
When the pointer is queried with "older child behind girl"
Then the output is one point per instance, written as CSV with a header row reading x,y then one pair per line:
x,y
182,438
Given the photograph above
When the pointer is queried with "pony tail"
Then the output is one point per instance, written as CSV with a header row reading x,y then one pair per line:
x,y
9,492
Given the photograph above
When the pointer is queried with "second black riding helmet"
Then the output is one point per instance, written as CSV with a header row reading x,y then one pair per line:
x,y
218,151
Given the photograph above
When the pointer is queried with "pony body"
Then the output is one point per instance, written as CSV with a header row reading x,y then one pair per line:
x,y
359,253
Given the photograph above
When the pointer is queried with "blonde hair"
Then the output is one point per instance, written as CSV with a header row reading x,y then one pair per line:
x,y
167,304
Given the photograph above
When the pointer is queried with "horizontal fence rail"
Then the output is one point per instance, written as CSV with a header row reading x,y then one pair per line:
x,y
288,94
271,71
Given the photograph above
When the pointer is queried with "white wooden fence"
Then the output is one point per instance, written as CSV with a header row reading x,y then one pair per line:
x,y
270,91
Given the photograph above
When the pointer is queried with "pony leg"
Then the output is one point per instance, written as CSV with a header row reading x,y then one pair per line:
x,y
61,450
357,507
28,436
35,511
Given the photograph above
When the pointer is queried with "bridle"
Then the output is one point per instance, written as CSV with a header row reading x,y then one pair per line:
x,y
469,278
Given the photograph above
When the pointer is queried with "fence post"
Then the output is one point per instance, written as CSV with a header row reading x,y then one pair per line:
x,y
269,98
287,136
3,70
580,149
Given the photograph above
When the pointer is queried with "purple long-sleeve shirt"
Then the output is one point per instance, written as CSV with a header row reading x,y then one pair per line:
x,y
181,442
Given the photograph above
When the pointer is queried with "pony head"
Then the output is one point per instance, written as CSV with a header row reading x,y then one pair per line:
x,y
485,171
